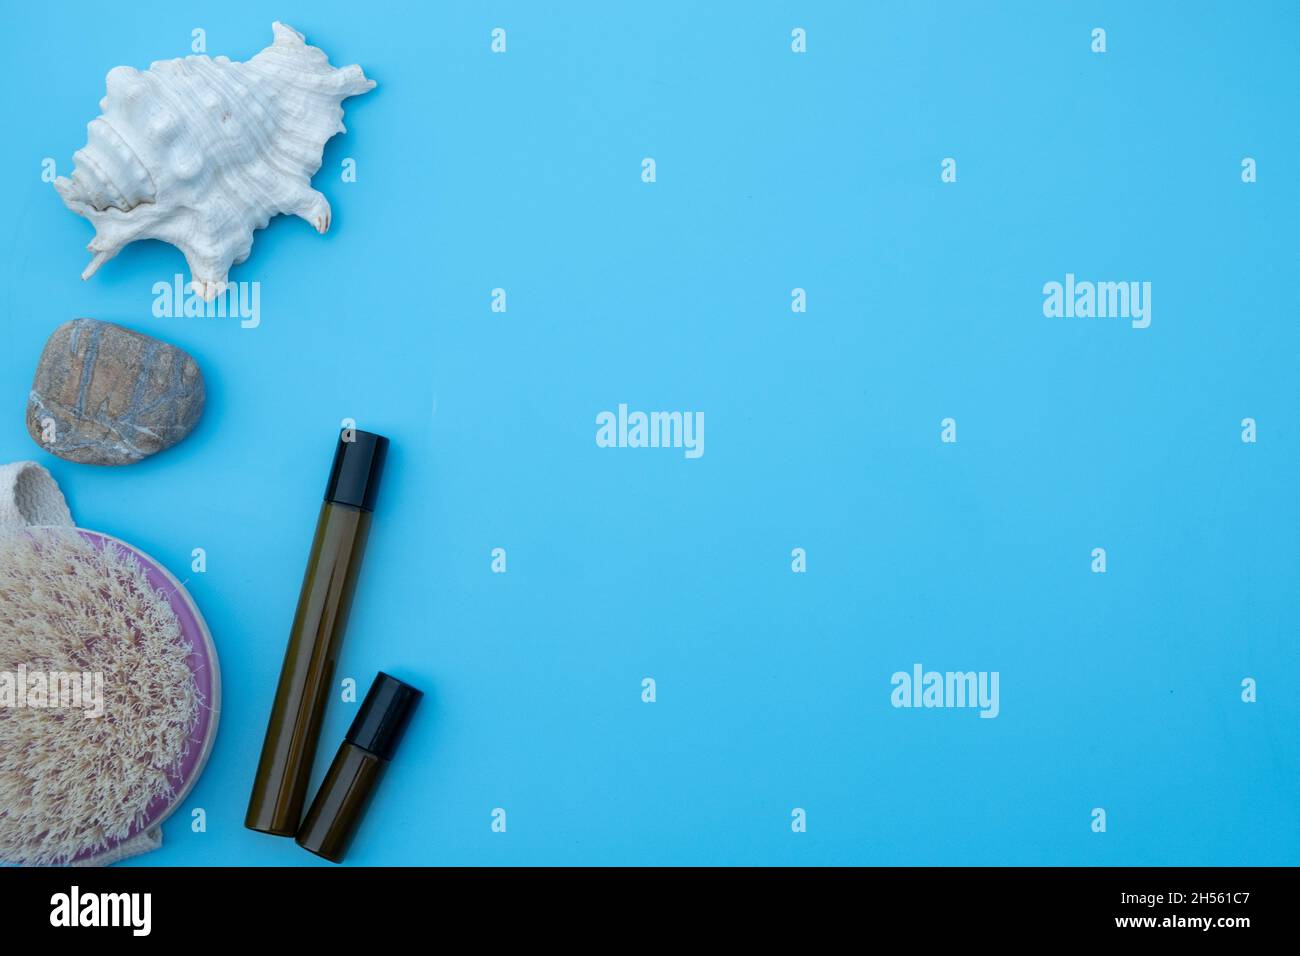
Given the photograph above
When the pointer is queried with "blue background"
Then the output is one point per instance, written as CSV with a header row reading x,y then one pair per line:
x,y
775,170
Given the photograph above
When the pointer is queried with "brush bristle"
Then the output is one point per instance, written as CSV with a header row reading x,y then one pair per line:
x,y
71,785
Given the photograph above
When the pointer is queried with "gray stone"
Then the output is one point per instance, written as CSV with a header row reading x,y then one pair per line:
x,y
104,395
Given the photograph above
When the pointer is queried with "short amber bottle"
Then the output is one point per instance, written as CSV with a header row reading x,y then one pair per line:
x,y
335,814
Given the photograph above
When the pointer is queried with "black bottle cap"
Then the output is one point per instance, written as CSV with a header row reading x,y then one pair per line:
x,y
358,465
383,716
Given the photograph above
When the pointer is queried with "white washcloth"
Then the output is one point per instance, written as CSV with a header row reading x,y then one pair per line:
x,y
30,497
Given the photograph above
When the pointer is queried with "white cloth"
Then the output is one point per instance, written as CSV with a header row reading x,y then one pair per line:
x,y
29,498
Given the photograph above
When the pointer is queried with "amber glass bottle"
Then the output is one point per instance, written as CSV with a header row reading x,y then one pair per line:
x,y
335,814
306,679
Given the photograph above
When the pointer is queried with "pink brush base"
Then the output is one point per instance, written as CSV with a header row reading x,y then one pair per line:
x,y
207,677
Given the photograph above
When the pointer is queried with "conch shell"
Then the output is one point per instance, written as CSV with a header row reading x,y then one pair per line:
x,y
200,152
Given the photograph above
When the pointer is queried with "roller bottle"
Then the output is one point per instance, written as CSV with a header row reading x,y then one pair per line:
x,y
306,679
359,765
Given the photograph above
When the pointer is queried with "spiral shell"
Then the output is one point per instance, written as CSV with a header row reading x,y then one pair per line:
x,y
200,152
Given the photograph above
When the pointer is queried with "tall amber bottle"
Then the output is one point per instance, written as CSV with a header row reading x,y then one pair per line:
x,y
306,679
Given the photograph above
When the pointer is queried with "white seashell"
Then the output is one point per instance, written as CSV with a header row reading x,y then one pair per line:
x,y
200,152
